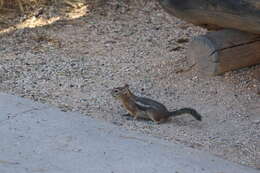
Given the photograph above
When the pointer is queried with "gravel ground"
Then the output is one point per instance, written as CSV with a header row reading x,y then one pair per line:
x,y
73,64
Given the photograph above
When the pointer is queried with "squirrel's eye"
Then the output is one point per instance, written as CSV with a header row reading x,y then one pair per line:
x,y
116,91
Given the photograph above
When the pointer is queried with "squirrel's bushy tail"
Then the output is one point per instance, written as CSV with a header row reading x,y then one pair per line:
x,y
191,111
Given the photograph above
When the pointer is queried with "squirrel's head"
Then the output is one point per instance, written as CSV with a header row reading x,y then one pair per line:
x,y
120,92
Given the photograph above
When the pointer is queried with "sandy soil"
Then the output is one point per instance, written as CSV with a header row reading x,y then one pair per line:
x,y
73,64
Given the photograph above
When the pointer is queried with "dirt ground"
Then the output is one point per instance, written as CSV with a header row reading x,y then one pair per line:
x,y
72,64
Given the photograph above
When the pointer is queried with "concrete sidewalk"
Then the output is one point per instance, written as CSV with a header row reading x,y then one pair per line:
x,y
39,138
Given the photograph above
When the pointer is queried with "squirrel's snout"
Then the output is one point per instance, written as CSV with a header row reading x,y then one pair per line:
x,y
112,92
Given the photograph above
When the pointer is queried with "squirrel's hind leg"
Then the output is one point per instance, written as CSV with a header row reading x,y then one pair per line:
x,y
126,115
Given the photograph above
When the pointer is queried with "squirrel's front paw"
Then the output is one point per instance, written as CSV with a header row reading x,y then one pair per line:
x,y
127,116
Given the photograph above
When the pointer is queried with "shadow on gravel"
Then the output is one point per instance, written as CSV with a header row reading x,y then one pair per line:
x,y
15,15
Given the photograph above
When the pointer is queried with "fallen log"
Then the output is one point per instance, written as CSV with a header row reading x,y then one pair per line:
x,y
221,51
216,14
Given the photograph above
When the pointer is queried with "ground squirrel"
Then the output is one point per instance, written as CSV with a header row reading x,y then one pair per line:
x,y
140,107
